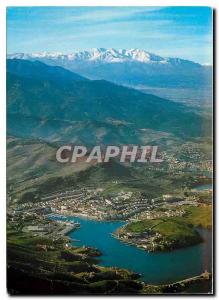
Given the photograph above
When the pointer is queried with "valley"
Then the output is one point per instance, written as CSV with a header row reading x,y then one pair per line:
x,y
144,209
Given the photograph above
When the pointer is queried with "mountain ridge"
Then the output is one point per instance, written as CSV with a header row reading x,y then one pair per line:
x,y
105,55
40,70
133,67
98,101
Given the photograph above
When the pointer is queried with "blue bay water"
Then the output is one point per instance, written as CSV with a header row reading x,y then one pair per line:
x,y
155,268
204,187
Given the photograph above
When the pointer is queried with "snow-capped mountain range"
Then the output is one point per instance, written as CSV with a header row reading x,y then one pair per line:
x,y
103,55
132,67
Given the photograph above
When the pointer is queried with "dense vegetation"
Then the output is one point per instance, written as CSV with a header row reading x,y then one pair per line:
x,y
176,232
35,266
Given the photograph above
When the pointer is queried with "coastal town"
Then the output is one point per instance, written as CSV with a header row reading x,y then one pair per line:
x,y
39,219
92,203
158,207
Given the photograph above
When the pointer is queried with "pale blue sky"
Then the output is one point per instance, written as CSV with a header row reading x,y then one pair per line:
x,y
168,31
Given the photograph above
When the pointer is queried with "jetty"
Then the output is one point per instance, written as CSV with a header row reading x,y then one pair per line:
x,y
180,285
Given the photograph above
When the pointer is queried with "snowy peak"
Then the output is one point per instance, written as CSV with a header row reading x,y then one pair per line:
x,y
102,55
130,67
122,55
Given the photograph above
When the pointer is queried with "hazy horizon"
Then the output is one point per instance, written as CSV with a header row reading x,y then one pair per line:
x,y
165,31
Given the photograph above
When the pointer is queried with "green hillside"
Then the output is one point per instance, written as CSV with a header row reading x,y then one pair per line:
x,y
97,101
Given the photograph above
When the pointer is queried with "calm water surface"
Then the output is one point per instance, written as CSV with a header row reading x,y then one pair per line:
x,y
155,268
